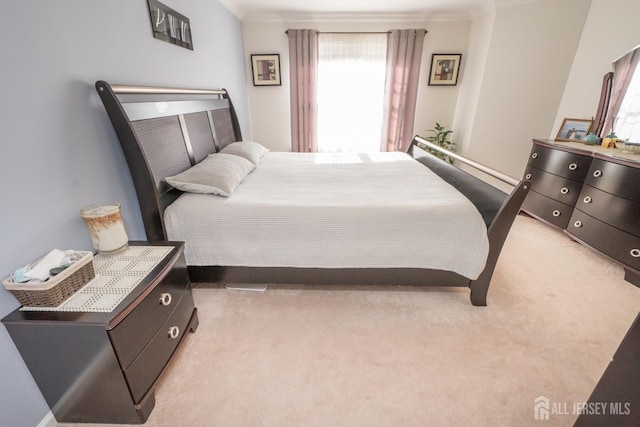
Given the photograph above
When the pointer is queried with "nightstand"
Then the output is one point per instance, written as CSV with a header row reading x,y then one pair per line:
x,y
102,367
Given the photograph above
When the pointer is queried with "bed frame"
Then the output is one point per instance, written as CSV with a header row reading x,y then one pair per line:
x,y
164,131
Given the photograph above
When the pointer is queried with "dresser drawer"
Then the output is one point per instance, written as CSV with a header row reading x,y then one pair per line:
x,y
615,179
133,333
547,209
619,245
556,187
148,366
558,162
616,211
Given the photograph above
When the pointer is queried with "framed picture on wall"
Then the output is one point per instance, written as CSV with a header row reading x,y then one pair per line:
x,y
573,130
444,69
169,25
266,69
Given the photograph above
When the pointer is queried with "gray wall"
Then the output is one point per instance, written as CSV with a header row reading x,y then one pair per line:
x,y
59,150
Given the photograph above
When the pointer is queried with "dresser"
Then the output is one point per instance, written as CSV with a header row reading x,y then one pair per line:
x,y
591,193
102,367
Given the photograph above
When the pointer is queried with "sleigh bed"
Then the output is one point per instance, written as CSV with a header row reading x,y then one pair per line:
x,y
304,218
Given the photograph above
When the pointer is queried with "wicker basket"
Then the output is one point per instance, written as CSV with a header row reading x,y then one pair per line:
x,y
57,289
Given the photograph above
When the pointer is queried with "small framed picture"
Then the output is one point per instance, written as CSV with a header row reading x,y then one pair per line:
x,y
574,130
444,69
169,25
266,69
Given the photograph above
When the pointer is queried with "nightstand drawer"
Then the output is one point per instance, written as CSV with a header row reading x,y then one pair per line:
x,y
547,209
556,187
147,367
619,245
615,179
133,333
613,210
558,162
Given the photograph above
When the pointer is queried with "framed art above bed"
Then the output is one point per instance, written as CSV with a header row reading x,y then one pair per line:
x,y
249,215
169,25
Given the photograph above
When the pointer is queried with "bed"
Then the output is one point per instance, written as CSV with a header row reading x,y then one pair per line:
x,y
398,219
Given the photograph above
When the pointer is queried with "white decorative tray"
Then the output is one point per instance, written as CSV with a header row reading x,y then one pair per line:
x,y
116,276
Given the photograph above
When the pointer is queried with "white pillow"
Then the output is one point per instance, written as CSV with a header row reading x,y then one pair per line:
x,y
218,173
251,151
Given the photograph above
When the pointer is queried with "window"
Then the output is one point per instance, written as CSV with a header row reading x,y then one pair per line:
x,y
627,123
351,77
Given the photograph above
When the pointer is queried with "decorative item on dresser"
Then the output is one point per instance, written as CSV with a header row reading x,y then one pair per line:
x,y
592,193
101,365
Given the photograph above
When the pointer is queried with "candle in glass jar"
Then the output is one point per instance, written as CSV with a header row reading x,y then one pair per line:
x,y
105,226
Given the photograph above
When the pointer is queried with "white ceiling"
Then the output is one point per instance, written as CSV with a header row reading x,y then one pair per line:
x,y
256,9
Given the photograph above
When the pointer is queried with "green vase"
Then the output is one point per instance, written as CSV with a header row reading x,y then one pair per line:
x,y
591,139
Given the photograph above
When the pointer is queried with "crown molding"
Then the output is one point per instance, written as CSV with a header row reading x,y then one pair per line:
x,y
485,6
420,16
509,3
233,7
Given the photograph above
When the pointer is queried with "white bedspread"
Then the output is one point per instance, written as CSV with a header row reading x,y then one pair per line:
x,y
334,211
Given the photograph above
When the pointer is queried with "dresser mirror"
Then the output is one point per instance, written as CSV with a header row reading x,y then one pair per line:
x,y
619,108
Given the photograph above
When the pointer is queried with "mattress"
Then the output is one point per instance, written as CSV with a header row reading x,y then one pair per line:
x,y
323,210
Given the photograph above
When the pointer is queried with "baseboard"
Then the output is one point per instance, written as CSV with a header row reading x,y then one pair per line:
x,y
255,287
48,421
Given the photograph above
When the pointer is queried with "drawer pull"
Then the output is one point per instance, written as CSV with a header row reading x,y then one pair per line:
x,y
527,176
556,213
534,156
573,166
577,224
635,253
597,173
564,190
165,299
588,199
174,331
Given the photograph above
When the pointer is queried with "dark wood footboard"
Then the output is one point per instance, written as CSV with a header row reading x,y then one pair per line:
x,y
497,208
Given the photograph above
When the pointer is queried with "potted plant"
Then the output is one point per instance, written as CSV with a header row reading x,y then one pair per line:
x,y
440,137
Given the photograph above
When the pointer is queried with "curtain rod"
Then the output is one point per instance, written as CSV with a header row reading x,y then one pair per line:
x,y
354,32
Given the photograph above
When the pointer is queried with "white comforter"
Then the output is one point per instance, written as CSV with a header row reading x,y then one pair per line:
x,y
334,211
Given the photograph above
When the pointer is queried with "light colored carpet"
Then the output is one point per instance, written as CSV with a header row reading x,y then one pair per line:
x,y
346,356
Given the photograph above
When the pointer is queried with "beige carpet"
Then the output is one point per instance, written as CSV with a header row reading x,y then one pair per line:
x,y
406,356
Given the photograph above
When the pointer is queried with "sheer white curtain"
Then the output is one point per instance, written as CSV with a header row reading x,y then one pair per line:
x,y
351,75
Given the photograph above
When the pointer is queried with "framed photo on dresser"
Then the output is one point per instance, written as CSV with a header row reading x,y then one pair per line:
x,y
574,130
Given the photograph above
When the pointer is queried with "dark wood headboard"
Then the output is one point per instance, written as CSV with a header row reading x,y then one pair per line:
x,y
164,131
